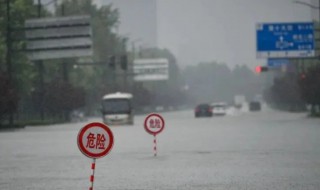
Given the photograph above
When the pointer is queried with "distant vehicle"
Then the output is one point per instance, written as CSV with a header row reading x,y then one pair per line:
x,y
77,116
203,110
159,108
254,106
239,100
219,108
117,108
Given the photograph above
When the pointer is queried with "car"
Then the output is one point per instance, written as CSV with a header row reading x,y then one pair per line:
x,y
254,106
77,116
203,110
219,109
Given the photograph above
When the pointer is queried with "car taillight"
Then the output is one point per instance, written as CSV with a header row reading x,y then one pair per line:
x,y
197,110
209,110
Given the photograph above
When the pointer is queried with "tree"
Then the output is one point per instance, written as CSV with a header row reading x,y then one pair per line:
x,y
96,80
309,83
25,74
246,82
285,93
22,72
60,97
8,97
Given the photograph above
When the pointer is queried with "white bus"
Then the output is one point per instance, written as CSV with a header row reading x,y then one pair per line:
x,y
117,108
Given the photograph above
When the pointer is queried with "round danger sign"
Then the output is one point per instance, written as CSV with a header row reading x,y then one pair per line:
x,y
154,124
95,140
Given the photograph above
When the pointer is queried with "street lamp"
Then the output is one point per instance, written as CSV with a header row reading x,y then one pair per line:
x,y
133,42
312,7
309,5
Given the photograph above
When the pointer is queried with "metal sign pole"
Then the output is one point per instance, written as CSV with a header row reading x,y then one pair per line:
x,y
93,166
155,145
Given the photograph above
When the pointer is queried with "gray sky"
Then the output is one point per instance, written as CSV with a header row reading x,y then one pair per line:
x,y
205,30
138,20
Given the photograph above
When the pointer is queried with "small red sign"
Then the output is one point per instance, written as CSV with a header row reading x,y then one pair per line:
x,y
95,140
154,124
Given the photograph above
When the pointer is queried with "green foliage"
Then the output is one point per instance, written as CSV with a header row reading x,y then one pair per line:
x,y
60,96
22,71
26,74
95,79
310,87
285,93
103,20
20,11
8,97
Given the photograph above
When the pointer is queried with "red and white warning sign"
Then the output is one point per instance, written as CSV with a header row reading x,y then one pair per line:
x,y
154,124
95,140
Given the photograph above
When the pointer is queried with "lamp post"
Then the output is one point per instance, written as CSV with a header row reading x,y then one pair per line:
x,y
310,5
8,52
133,47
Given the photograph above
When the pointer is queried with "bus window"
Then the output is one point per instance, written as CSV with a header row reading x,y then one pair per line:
x,y
116,106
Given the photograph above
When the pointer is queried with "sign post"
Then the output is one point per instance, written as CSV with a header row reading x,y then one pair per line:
x,y
93,166
154,124
155,145
95,140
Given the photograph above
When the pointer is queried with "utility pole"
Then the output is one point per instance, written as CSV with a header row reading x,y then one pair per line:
x,y
64,62
39,8
8,53
41,72
65,70
8,42
125,59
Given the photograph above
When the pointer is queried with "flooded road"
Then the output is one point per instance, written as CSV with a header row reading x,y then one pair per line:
x,y
263,150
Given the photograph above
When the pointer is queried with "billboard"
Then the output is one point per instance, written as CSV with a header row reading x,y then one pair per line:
x,y
285,40
151,69
58,37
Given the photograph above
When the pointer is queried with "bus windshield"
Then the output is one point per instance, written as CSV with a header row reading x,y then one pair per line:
x,y
111,106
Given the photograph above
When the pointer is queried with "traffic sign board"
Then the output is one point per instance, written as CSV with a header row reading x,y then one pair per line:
x,y
151,69
95,140
280,40
58,37
273,63
154,124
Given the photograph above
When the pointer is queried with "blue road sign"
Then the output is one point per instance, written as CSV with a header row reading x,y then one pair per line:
x,y
285,40
277,62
